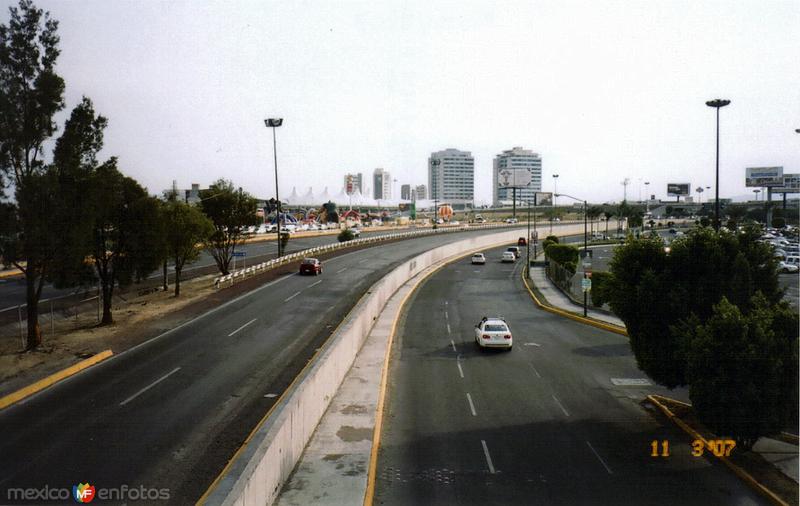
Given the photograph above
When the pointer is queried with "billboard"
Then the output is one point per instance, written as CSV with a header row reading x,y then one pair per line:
x,y
349,185
764,176
791,184
513,177
543,199
677,189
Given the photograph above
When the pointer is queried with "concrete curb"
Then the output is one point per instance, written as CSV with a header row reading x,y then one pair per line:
x,y
738,471
567,314
54,378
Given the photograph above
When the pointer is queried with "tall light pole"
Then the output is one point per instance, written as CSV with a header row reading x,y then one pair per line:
x,y
585,241
647,197
756,191
717,104
555,189
274,123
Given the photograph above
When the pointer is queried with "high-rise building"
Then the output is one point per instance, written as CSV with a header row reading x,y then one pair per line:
x,y
353,183
421,192
516,159
451,176
381,185
405,192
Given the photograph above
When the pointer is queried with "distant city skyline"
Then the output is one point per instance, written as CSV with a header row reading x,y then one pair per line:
x,y
602,91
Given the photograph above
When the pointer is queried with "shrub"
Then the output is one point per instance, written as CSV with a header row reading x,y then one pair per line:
x,y
563,254
551,238
600,287
345,235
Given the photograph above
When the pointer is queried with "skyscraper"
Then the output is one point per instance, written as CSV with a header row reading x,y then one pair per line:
x,y
353,183
516,159
381,185
421,192
405,192
451,176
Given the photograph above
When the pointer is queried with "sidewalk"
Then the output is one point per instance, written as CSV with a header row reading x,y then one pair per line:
x,y
556,298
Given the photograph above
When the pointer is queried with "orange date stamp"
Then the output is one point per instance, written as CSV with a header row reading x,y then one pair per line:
x,y
717,447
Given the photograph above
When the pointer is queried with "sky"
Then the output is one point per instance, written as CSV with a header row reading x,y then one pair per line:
x,y
602,90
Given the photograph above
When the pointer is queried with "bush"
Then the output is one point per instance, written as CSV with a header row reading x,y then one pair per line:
x,y
563,254
284,240
345,235
551,238
704,222
600,287
778,222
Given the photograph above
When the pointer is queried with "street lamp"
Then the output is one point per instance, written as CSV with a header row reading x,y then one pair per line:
x,y
585,241
756,191
555,189
274,123
647,197
717,104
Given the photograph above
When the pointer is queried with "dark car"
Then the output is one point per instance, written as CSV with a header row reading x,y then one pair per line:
x,y
310,266
522,242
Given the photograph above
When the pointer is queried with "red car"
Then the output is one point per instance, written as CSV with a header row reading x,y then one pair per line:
x,y
522,242
310,266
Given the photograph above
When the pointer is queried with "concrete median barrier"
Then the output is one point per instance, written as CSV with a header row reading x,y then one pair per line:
x,y
257,472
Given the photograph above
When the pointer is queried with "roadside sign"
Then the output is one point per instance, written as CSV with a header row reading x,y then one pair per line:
x,y
239,253
586,284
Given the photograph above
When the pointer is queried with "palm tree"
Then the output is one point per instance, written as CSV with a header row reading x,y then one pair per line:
x,y
608,213
593,213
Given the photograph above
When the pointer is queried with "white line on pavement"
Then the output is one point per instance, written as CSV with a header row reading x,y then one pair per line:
x,y
560,406
291,297
532,344
448,328
315,284
458,363
362,261
471,406
488,457
446,317
243,326
599,457
148,387
537,372
453,344
341,270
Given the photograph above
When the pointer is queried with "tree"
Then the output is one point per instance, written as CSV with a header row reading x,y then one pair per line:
x,y
186,228
345,235
607,214
600,287
593,213
127,233
231,213
30,94
563,254
742,370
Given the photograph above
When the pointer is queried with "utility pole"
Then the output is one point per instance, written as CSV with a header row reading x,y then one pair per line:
x,y
625,184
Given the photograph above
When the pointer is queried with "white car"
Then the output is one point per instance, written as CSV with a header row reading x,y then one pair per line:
x,y
508,256
512,220
356,231
787,267
289,227
493,333
479,258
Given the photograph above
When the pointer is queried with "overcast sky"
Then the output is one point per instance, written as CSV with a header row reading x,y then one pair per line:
x,y
602,90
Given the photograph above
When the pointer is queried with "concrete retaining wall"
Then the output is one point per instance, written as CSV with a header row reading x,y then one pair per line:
x,y
261,468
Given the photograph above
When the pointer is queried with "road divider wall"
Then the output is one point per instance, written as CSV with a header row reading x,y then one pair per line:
x,y
259,469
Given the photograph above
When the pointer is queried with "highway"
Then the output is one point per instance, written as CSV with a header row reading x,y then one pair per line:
x,y
171,412
555,421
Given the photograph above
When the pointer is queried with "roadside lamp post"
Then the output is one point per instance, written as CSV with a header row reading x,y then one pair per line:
x,y
756,191
647,197
717,104
585,241
274,123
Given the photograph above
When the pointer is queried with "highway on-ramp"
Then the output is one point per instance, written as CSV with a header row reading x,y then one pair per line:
x,y
555,421
171,412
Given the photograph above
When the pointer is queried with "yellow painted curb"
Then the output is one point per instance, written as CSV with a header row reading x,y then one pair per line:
x,y
567,314
738,471
40,385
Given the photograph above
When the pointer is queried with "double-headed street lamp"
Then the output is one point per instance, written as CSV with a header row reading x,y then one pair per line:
x,y
585,240
274,123
717,104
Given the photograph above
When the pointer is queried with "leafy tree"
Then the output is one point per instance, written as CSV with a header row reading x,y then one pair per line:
x,y
564,254
30,94
127,232
345,235
705,222
186,228
231,212
742,369
600,287
636,219
778,222
608,213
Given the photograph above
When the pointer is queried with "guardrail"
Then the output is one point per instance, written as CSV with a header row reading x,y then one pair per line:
x,y
327,248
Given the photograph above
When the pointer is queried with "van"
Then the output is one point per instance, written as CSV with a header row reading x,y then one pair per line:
x,y
793,260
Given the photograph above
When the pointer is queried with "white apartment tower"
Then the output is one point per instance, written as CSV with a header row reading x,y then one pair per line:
x,y
517,158
353,183
381,185
451,176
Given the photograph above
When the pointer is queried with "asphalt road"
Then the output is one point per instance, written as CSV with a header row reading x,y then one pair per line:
x,y
546,423
171,412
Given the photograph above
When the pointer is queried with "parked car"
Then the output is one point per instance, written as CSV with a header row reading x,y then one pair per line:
x,y
787,267
271,227
310,266
515,250
522,242
508,256
478,259
493,333
793,260
289,227
511,220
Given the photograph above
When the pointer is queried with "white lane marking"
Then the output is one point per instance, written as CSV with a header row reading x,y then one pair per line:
x,y
458,363
448,328
488,457
560,406
537,372
471,406
477,272
291,297
315,284
599,457
446,317
445,303
341,270
453,344
270,396
362,261
243,326
148,387
532,344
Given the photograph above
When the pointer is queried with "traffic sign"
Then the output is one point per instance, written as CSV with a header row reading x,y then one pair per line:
x,y
239,253
586,284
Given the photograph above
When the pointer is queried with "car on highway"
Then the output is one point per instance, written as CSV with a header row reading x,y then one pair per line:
x,y
508,256
493,333
522,242
271,227
478,259
310,266
515,249
793,260
356,231
512,220
787,267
